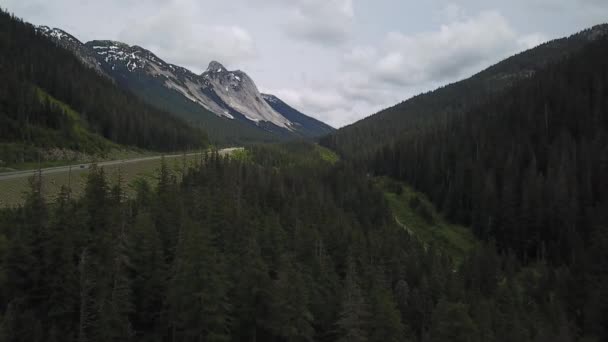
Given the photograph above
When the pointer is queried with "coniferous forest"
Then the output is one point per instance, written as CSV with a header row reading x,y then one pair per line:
x,y
271,248
527,171
48,98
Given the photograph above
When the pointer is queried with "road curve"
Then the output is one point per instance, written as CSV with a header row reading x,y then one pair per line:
x,y
59,169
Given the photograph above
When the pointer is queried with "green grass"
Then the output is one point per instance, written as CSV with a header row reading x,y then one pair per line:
x,y
242,155
424,222
79,134
327,154
50,147
113,154
12,191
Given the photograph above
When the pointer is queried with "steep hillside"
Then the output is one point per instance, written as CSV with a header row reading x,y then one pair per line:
x,y
527,169
361,139
49,99
226,103
302,123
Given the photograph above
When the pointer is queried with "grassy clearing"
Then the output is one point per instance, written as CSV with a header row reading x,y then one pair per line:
x,y
12,191
415,213
242,155
327,154
72,144
79,133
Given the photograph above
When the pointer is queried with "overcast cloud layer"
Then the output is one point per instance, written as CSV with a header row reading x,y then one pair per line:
x,y
336,60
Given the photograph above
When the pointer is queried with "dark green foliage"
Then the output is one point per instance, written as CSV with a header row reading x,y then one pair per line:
x,y
451,322
422,209
49,99
354,317
526,169
269,249
363,139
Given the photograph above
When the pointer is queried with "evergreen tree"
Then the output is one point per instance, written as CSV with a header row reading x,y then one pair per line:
x,y
353,322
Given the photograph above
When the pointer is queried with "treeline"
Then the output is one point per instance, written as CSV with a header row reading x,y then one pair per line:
x,y
528,171
361,140
270,249
33,66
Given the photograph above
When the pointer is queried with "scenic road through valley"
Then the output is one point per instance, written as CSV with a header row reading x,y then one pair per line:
x,y
67,168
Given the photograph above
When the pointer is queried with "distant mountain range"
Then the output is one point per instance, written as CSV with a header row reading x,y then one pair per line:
x,y
225,103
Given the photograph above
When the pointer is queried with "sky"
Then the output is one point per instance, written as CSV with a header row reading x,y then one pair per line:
x,y
336,60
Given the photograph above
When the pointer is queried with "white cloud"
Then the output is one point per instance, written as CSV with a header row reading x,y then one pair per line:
x,y
532,40
453,50
402,65
322,22
452,12
178,37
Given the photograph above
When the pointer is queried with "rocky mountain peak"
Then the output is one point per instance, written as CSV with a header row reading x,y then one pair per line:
x,y
55,33
231,94
74,45
215,66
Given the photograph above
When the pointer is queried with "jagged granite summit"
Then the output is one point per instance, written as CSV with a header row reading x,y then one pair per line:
x,y
231,95
239,91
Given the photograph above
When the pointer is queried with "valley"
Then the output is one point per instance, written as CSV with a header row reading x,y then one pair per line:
x,y
474,212
14,184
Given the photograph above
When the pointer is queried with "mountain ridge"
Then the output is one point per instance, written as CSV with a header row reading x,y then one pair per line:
x,y
392,123
230,95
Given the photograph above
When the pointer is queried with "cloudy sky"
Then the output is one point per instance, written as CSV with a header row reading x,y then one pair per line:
x,y
336,60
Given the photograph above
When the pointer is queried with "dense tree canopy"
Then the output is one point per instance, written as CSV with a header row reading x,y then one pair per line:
x,y
526,169
270,248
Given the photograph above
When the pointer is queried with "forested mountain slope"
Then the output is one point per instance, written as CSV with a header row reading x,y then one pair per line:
x,y
528,168
226,103
48,98
361,139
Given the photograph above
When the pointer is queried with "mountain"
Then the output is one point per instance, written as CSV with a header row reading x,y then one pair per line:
x,y
365,137
71,43
305,124
519,154
50,100
226,103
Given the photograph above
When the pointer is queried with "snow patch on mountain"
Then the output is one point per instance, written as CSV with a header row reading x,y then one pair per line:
x,y
71,43
218,89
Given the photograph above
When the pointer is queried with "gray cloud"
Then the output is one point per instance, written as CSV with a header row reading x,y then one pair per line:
x,y
451,51
338,60
179,35
326,22
322,22
401,65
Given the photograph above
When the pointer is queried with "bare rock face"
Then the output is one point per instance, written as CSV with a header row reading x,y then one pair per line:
x,y
231,95
238,90
220,91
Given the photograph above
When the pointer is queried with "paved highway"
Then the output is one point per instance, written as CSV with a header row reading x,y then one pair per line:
x,y
59,169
